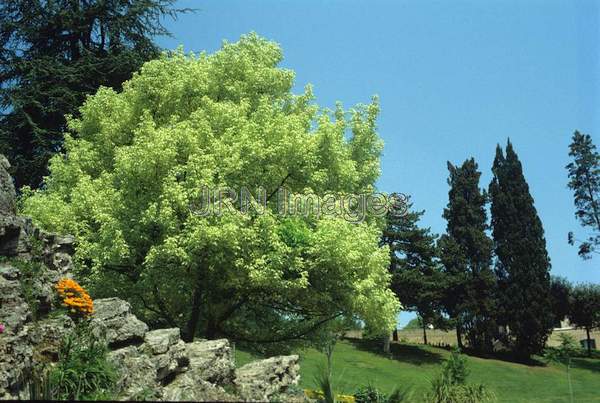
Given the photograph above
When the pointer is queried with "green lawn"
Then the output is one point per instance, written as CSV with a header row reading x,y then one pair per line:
x,y
355,364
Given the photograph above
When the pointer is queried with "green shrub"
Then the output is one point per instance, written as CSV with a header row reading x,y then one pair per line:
x,y
454,369
370,394
39,386
444,392
83,371
451,387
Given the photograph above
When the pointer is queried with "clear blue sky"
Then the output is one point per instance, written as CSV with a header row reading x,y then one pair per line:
x,y
454,77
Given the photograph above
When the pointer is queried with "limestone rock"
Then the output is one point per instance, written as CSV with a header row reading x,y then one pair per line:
x,y
13,236
114,320
8,196
265,379
159,341
166,351
46,336
187,387
137,374
14,310
212,360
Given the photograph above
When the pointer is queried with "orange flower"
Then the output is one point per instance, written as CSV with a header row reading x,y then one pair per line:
x,y
74,297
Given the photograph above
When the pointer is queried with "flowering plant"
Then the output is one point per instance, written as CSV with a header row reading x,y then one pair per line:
x,y
1,328
74,297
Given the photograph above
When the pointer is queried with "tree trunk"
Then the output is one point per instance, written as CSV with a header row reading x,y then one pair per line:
x,y
386,344
459,336
589,342
192,324
211,328
424,332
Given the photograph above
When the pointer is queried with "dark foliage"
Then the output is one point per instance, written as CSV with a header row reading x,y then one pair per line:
x,y
523,264
53,53
417,279
466,252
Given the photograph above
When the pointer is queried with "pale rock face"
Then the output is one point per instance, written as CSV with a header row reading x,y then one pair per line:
x,y
8,196
113,319
187,388
212,360
15,351
138,379
159,341
262,380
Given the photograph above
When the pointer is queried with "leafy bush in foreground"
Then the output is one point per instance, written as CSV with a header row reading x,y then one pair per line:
x,y
83,371
450,386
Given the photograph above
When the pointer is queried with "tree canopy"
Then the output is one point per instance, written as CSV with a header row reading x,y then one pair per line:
x,y
136,160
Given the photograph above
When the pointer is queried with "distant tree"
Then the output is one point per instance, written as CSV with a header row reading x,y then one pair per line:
x,y
416,275
466,253
414,324
522,262
560,293
584,180
585,309
55,53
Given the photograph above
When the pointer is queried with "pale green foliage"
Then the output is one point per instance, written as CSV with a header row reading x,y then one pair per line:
x,y
138,159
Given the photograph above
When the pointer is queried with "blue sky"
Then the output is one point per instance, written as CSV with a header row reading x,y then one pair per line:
x,y
454,79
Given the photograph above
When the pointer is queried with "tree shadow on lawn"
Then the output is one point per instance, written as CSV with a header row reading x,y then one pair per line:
x,y
589,364
506,356
407,353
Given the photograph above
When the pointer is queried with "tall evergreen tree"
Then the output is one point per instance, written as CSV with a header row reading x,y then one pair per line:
x,y
416,275
53,53
522,263
584,180
466,252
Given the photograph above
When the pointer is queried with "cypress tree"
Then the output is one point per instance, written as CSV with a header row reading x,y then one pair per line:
x,y
522,264
466,252
416,275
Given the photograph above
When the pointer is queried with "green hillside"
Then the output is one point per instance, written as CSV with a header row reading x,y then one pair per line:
x,y
415,365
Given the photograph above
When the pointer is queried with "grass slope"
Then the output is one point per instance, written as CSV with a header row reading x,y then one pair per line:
x,y
356,364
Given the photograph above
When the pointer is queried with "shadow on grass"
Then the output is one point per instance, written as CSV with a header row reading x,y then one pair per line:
x,y
589,364
506,356
407,353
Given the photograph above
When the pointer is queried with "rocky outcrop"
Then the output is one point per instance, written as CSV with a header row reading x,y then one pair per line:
x,y
153,364
15,350
212,361
113,320
262,380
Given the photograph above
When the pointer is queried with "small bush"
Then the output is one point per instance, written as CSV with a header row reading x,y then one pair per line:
x,y
83,371
454,370
369,394
451,387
